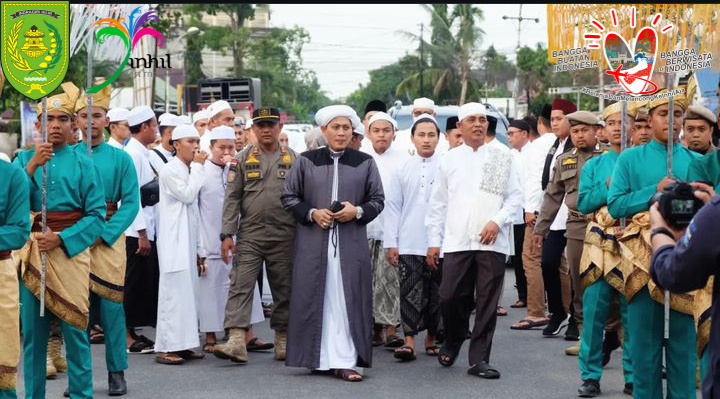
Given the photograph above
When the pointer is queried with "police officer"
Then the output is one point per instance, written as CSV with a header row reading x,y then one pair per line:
x,y
265,233
564,184
707,168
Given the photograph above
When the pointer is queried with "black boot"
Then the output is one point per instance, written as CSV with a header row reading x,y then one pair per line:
x,y
589,389
116,383
628,390
555,325
572,333
610,343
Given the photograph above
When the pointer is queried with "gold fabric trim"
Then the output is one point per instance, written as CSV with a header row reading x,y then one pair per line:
x,y
107,269
601,251
9,324
8,379
702,308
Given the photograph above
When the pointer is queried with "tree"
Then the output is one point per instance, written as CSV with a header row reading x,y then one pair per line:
x,y
534,71
383,82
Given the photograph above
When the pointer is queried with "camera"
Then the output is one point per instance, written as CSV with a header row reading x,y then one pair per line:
x,y
677,204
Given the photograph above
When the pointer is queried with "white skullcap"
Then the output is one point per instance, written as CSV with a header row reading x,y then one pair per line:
x,y
184,131
381,116
139,115
203,114
118,114
168,119
327,114
423,102
248,124
217,107
4,157
222,133
471,109
425,117
185,119
359,130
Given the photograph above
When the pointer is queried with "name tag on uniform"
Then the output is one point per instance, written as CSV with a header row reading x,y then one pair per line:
x,y
253,175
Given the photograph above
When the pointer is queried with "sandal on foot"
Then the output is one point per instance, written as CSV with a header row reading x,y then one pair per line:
x,y
432,350
519,304
208,347
483,370
447,354
393,341
348,375
405,353
501,311
528,324
190,355
169,358
256,345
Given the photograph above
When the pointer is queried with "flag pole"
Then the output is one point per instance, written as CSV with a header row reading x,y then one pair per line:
x,y
43,255
623,144
88,134
670,142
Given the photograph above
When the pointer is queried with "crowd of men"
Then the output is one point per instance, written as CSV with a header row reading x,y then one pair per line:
x,y
370,237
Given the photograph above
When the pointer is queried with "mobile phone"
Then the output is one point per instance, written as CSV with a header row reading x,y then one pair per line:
x,y
336,206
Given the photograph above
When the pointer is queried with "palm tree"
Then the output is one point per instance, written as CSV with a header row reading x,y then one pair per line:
x,y
455,39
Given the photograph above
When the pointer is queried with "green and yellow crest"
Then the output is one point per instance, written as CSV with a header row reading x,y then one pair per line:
x,y
35,45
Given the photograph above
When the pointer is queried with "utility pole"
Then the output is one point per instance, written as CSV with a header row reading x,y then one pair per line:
x,y
422,61
520,19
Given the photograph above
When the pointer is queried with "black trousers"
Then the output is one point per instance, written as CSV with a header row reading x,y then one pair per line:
x,y
142,276
466,273
516,261
552,251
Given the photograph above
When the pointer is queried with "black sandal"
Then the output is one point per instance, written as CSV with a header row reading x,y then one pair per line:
x,y
393,341
483,370
446,351
405,353
253,345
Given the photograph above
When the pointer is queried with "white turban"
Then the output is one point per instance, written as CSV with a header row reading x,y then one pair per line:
x,y
471,109
381,116
327,114
184,131
139,115
200,115
118,114
222,133
423,102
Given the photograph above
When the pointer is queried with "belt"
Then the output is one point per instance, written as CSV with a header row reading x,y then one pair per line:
x,y
4,255
112,208
577,215
57,221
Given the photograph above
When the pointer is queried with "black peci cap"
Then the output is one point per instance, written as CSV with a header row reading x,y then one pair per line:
x,y
375,105
451,123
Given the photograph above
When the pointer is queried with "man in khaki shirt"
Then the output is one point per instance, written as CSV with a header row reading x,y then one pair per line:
x,y
265,233
564,187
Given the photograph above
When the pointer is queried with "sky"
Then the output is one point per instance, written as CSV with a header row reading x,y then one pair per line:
x,y
349,40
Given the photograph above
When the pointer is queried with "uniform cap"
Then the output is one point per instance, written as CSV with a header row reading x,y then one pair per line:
x,y
266,114
699,112
582,117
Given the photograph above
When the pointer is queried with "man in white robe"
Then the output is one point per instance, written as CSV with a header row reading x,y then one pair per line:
x,y
178,250
163,153
119,128
219,113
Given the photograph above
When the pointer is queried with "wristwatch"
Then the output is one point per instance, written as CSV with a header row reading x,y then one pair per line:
x,y
223,236
661,230
359,213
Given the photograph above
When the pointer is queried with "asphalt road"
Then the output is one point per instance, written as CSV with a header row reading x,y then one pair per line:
x,y
531,367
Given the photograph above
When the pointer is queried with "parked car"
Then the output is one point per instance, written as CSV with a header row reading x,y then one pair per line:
x,y
403,116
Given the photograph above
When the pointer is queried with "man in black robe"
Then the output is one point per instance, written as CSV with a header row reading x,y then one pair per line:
x,y
333,192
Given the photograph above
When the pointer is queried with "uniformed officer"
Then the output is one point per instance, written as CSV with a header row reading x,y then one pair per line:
x,y
600,271
107,260
75,219
641,128
563,186
639,173
265,233
14,232
707,168
698,127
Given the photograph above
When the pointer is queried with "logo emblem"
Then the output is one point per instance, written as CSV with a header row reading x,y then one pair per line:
x,y
35,45
129,34
264,112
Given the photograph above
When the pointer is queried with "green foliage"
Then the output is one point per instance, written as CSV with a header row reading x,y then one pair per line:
x,y
383,82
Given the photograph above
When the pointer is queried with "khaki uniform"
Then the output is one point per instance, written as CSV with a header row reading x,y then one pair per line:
x,y
564,186
265,232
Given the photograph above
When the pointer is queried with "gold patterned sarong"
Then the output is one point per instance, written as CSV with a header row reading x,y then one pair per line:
x,y
703,311
107,269
601,252
637,256
9,323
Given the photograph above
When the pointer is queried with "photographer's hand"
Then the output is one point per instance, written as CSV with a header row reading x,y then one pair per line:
x,y
703,192
656,220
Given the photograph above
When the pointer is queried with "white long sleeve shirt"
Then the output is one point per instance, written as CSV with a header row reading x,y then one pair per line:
x,y
406,203
454,198
145,219
387,162
155,159
210,204
522,160
561,218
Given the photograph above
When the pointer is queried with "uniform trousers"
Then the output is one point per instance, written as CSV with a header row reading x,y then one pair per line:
x,y
112,321
597,300
552,252
35,338
247,264
533,276
574,249
646,331
517,262
466,273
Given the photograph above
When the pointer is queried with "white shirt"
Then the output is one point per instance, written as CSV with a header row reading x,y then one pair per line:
x,y
454,198
403,142
406,203
145,219
205,142
534,158
561,218
210,204
521,157
155,159
387,163
114,143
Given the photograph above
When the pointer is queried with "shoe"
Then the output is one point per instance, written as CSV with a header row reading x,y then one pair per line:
x,y
483,370
555,325
50,370
628,390
573,350
55,353
116,383
140,347
280,345
234,349
572,333
610,343
589,389
66,393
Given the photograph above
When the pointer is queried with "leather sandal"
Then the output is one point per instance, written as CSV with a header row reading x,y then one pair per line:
x,y
433,350
253,345
190,355
169,358
519,304
405,353
348,375
393,341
